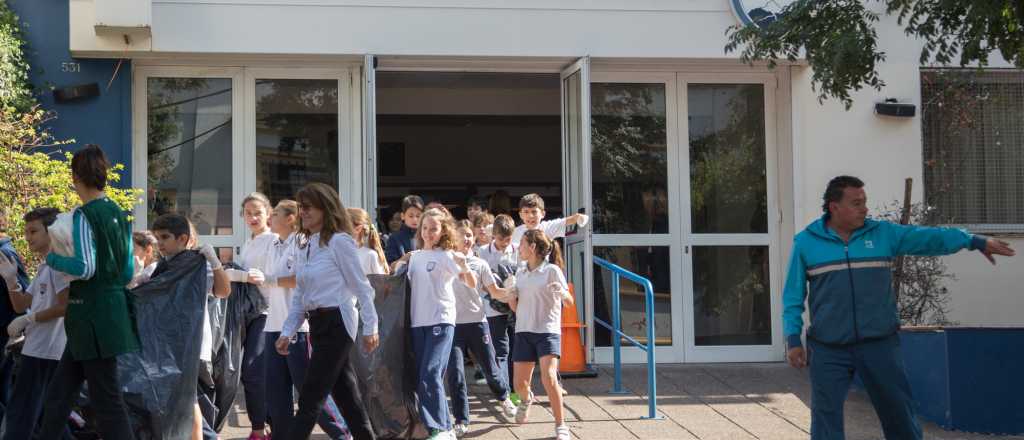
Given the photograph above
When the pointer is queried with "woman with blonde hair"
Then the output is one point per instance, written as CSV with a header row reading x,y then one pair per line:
x,y
332,291
371,251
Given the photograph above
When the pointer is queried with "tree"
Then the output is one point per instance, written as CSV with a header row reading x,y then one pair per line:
x,y
840,43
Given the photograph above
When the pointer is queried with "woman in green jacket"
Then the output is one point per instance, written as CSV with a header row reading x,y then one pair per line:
x,y
99,322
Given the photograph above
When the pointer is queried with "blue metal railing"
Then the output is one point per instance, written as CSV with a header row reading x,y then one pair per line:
x,y
618,335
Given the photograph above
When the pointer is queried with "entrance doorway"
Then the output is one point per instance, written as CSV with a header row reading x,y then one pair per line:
x,y
453,137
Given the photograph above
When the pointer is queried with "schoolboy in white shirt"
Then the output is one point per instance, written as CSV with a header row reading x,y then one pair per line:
x,y
531,212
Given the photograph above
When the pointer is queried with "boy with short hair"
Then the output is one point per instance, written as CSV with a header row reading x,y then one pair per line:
x,y
503,258
474,206
531,212
45,302
173,235
482,224
402,241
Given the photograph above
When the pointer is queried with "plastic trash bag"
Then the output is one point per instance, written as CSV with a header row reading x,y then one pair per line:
x,y
61,238
159,381
387,377
229,317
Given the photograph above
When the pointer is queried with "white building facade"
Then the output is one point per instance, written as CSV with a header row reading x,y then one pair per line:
x,y
698,169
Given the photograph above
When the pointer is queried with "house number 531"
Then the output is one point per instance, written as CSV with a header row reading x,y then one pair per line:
x,y
70,67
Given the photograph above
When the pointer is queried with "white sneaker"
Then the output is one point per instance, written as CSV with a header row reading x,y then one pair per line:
x,y
562,433
523,410
460,430
508,408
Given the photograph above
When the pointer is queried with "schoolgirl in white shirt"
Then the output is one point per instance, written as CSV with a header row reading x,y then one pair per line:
x,y
371,252
255,258
540,289
332,291
432,271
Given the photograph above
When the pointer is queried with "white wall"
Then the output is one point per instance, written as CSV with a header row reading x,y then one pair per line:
x,y
668,28
829,141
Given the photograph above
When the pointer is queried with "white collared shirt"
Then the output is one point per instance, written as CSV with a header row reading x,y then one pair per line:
x,y
256,254
469,302
540,307
330,276
431,275
282,264
45,340
552,229
495,258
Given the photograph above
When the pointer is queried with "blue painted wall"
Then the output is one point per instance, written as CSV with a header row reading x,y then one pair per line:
x,y
103,120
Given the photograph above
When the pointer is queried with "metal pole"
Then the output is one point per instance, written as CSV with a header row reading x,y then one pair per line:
x,y
652,379
616,339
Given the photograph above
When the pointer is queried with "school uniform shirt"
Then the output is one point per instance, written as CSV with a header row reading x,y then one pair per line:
x,y
370,262
469,303
256,254
330,276
400,243
432,275
539,309
45,340
282,264
552,229
495,258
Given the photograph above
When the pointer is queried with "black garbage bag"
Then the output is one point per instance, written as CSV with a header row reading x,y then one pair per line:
x,y
158,382
387,377
229,317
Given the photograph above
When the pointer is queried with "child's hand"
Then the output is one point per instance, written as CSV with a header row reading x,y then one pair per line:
x,y
582,220
256,277
211,256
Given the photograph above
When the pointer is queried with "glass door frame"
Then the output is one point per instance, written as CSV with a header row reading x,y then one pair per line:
x,y
670,353
349,187
140,142
688,240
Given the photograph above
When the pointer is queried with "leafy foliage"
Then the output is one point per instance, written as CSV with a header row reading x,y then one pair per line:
x,y
15,88
839,40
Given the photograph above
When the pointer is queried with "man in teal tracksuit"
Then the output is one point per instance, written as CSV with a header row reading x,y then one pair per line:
x,y
846,260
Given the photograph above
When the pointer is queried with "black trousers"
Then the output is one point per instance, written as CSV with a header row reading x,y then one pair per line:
x,y
104,396
330,371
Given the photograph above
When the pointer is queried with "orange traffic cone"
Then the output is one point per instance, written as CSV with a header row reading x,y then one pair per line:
x,y
573,362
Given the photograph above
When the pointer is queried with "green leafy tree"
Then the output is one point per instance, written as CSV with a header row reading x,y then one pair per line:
x,y
29,177
839,40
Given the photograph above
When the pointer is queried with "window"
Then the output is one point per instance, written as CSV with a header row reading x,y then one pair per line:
x,y
973,145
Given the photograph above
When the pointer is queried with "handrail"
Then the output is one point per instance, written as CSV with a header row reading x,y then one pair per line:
x,y
618,335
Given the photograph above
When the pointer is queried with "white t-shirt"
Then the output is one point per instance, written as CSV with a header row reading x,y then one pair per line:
x,y
540,307
256,254
469,303
282,264
370,262
45,340
495,258
552,229
432,274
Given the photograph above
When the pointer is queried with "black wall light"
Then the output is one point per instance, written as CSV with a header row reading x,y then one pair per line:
x,y
892,107
76,93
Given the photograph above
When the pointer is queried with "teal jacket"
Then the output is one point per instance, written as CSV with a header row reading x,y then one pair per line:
x,y
850,284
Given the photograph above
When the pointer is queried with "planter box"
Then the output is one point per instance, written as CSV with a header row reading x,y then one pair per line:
x,y
967,379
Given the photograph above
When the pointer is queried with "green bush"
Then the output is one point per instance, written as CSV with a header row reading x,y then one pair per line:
x,y
15,89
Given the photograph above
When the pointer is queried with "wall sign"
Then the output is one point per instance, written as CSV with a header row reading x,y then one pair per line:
x,y
758,11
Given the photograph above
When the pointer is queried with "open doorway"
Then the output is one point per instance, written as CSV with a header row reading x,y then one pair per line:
x,y
455,136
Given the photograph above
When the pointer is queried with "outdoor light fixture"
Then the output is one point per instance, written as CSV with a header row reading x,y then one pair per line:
x,y
892,107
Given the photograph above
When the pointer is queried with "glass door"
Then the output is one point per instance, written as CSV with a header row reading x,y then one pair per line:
x,y
187,150
575,95
297,119
732,293
634,145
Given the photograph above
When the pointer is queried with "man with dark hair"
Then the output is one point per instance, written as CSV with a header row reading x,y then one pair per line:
x,y
846,260
98,321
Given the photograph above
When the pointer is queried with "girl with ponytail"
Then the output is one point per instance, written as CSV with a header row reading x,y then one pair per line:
x,y
536,294
371,252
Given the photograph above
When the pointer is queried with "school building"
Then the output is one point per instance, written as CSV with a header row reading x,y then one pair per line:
x,y
697,170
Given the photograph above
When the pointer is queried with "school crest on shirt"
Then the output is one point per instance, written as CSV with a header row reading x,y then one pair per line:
x,y
431,265
43,288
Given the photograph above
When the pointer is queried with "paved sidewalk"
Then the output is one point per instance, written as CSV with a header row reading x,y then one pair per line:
x,y
720,401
